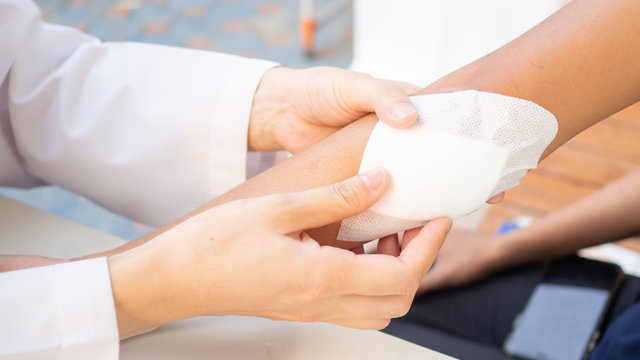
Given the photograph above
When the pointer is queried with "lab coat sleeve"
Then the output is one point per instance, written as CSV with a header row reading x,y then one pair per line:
x,y
63,311
148,131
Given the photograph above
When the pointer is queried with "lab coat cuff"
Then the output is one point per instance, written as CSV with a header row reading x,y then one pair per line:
x,y
63,311
229,146
86,308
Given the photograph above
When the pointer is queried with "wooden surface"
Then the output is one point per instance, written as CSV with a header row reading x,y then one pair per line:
x,y
597,156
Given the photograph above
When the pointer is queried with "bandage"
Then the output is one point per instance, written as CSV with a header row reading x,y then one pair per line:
x,y
465,148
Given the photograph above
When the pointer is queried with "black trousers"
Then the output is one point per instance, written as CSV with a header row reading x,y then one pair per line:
x,y
473,321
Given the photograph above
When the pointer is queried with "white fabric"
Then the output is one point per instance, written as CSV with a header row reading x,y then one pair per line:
x,y
147,131
430,39
150,132
466,147
59,312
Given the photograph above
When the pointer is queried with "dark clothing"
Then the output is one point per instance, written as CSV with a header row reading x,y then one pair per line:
x,y
473,321
622,338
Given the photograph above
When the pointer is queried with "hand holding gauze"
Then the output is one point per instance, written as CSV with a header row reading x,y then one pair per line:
x,y
466,147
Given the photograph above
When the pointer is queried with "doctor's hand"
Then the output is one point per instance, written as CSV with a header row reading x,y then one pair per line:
x,y
294,109
252,257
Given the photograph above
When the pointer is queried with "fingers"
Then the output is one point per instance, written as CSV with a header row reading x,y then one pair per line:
x,y
359,250
420,246
388,99
381,274
394,107
371,307
397,112
389,245
363,324
496,199
357,311
328,204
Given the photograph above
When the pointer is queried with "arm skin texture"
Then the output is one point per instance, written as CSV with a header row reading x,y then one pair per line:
x,y
580,64
331,160
607,215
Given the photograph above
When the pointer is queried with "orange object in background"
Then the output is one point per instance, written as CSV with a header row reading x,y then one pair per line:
x,y
307,33
313,16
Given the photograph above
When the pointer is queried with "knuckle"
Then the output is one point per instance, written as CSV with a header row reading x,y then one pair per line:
x,y
347,195
358,82
354,76
282,207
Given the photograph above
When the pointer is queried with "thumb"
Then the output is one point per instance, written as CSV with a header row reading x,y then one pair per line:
x,y
394,107
388,99
328,204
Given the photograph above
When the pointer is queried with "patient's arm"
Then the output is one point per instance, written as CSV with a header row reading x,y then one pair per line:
x,y
333,159
580,64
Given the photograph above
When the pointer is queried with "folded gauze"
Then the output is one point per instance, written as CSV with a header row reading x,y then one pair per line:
x,y
465,147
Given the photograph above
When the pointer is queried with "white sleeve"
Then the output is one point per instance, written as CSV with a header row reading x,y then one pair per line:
x,y
148,131
63,311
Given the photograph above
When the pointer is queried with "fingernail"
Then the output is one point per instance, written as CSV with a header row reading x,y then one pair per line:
x,y
450,224
373,178
402,110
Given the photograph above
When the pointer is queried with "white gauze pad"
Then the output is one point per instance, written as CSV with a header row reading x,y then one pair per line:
x,y
465,147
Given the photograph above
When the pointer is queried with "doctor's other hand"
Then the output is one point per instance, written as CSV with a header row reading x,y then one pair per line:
x,y
465,257
294,109
252,257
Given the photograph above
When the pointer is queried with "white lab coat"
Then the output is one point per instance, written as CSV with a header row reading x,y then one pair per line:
x,y
150,132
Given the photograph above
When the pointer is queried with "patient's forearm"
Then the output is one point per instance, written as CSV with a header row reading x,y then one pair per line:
x,y
331,160
581,64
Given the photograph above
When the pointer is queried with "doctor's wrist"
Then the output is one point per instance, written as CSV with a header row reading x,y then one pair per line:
x,y
136,305
270,103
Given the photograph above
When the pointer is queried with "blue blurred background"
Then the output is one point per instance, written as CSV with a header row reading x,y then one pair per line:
x,y
253,28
